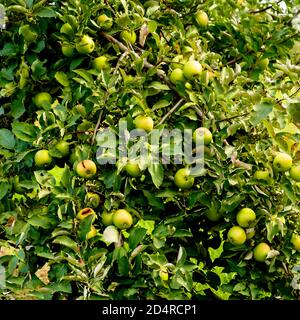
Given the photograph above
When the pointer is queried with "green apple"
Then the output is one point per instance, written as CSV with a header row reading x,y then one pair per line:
x,y
191,69
67,50
132,168
83,213
202,132
263,175
28,34
92,233
93,199
62,147
245,217
260,252
144,123
107,218
128,36
68,30
201,18
263,63
100,63
85,45
42,158
104,21
213,214
295,240
122,219
182,179
282,162
43,100
176,75
236,235
295,173
86,168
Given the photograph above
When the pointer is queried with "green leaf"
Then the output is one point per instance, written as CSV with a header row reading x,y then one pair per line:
x,y
41,221
261,111
24,131
62,78
7,139
215,253
67,242
156,171
136,236
294,111
4,187
46,13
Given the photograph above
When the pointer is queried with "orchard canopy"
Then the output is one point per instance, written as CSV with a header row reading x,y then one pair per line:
x,y
87,211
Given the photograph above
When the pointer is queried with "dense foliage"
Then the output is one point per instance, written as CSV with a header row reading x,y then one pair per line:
x,y
247,94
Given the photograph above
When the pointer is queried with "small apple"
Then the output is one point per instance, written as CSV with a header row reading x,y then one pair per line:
x,y
202,132
263,175
86,45
67,29
93,199
132,168
236,235
144,123
213,214
67,50
62,147
260,252
164,275
28,34
296,241
263,63
282,162
128,36
100,63
43,100
122,219
83,213
182,179
86,169
92,233
104,21
107,218
201,18
245,217
42,158
191,69
295,173
176,75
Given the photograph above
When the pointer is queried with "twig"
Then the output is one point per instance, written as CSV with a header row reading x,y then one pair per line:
x,y
171,111
261,10
97,125
198,111
124,54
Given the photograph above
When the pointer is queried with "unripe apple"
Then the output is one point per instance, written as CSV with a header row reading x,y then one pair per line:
x,y
132,168
67,50
43,100
260,252
191,69
85,45
295,173
67,29
245,217
262,175
143,122
86,169
164,275
183,180
203,133
107,218
83,213
100,63
176,75
128,36
213,214
122,219
42,158
93,199
282,162
104,22
62,147
236,235
296,241
92,233
201,18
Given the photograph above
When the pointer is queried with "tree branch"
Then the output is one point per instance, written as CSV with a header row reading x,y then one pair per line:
x,y
171,111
